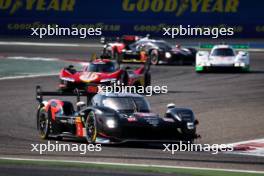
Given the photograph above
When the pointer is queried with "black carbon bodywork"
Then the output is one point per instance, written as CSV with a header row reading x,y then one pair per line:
x,y
132,124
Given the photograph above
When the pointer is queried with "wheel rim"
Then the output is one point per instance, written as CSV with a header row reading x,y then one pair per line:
x,y
91,128
154,59
43,124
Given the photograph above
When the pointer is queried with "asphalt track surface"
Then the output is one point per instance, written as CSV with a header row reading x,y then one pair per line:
x,y
28,170
229,106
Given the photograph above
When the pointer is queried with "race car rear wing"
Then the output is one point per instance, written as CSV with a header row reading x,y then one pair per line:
x,y
235,46
91,91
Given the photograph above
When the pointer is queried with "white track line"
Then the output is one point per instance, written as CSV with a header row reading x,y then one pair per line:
x,y
27,76
137,165
6,43
34,59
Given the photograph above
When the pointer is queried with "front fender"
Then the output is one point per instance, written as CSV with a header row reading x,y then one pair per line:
x,y
202,57
102,114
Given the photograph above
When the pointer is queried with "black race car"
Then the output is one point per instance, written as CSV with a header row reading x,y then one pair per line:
x,y
162,52
140,49
112,118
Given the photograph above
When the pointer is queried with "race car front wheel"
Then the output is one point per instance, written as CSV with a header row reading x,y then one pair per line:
x,y
43,123
91,128
189,135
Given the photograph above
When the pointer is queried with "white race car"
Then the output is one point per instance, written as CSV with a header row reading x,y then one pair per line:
x,y
222,56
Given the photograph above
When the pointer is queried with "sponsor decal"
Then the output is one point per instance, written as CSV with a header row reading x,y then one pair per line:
x,y
180,7
88,77
153,121
13,6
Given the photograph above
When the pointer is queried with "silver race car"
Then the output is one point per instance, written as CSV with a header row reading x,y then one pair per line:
x,y
222,57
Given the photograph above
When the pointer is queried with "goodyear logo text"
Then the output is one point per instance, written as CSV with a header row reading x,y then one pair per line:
x,y
179,7
12,6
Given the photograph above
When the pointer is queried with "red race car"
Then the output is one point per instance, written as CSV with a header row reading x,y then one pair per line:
x,y
103,72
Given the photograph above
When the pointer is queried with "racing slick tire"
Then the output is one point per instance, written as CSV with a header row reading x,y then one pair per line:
x,y
124,78
147,79
91,128
117,57
46,126
154,57
189,135
43,121
147,65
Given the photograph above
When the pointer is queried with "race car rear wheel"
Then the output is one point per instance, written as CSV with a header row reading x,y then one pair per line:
x,y
91,128
147,79
117,57
43,122
124,78
154,57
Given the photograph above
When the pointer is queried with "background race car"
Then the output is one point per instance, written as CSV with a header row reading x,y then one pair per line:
x,y
103,72
136,49
112,118
222,57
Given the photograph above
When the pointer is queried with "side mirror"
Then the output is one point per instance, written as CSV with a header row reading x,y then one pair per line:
x,y
171,105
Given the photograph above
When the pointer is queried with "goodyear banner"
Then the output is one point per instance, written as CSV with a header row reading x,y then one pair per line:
x,y
117,17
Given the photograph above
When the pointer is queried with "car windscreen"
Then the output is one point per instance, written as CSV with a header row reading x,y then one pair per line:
x,y
223,52
135,104
108,67
163,45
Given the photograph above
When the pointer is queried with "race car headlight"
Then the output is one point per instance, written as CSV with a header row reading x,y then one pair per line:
x,y
201,64
67,79
242,64
190,125
110,123
108,80
168,55
207,64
